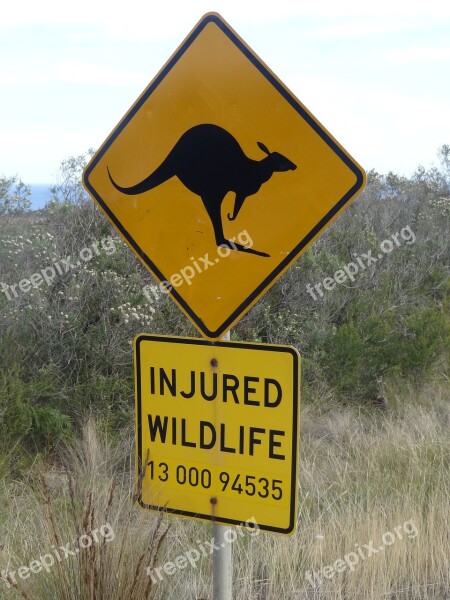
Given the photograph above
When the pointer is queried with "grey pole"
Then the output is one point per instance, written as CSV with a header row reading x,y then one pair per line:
x,y
222,565
222,562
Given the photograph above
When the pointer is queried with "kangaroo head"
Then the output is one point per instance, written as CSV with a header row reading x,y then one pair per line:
x,y
278,161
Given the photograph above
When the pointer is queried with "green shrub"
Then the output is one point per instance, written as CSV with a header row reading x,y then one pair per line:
x,y
407,342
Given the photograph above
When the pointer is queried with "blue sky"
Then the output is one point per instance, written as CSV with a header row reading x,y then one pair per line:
x,y
377,76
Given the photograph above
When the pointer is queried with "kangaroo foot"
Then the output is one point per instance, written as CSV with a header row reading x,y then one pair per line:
x,y
240,248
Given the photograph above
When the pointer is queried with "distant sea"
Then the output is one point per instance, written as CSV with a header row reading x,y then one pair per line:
x,y
40,195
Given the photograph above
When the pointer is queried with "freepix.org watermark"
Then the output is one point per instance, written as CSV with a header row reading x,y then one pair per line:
x,y
198,265
47,561
203,549
364,551
64,265
360,263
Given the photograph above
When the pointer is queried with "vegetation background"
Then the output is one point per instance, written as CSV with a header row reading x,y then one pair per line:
x,y
375,444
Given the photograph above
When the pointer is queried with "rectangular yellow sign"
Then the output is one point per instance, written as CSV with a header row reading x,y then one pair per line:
x,y
217,430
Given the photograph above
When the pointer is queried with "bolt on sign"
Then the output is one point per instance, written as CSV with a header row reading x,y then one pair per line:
x,y
217,430
219,178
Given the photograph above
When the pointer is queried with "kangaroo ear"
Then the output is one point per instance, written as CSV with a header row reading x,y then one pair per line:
x,y
263,147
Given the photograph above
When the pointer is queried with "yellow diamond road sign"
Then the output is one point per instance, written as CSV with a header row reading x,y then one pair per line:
x,y
217,430
219,178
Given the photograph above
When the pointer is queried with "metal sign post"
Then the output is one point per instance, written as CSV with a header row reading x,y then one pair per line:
x,y
222,565
222,559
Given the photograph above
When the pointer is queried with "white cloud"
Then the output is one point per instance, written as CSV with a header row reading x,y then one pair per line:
x,y
382,128
141,15
353,28
36,153
75,73
418,55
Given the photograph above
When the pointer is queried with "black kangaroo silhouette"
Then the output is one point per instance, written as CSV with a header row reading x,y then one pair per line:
x,y
209,161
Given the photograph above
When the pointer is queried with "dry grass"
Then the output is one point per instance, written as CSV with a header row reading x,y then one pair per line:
x,y
92,486
361,474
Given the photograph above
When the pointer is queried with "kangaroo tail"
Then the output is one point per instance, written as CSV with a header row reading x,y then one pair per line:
x,y
162,174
